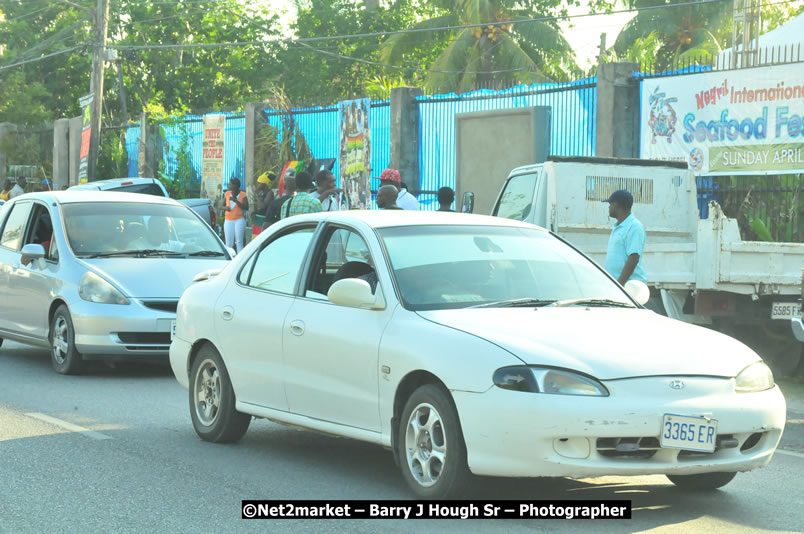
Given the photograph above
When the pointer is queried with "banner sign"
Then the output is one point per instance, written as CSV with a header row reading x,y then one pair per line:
x,y
355,153
86,131
739,122
212,159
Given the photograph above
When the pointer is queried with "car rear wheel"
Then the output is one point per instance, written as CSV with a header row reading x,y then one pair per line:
x,y
431,450
212,400
64,356
703,481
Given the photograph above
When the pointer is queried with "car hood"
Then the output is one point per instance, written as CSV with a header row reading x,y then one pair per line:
x,y
606,343
163,278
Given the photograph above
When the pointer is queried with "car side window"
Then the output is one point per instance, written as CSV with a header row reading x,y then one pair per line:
x,y
14,228
346,256
40,229
277,266
515,202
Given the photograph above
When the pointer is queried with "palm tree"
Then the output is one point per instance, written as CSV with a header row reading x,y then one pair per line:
x,y
691,32
494,54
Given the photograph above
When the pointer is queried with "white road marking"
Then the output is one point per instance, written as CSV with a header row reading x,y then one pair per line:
x,y
68,426
790,453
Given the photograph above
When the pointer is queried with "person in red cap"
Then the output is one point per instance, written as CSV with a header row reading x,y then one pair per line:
x,y
404,200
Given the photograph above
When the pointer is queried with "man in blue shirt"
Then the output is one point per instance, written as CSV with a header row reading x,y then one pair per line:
x,y
627,240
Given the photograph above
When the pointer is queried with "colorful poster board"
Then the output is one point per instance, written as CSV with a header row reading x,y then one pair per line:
x,y
212,159
355,153
86,132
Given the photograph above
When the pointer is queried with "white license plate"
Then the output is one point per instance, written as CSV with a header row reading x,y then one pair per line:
x,y
688,433
172,330
785,310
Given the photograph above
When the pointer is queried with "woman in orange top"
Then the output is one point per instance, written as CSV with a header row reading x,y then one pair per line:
x,y
234,227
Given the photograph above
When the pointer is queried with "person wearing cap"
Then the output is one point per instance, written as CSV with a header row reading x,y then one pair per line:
x,y
265,195
290,172
404,200
627,240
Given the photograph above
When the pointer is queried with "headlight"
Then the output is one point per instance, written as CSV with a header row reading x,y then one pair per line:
x,y
553,381
95,289
755,377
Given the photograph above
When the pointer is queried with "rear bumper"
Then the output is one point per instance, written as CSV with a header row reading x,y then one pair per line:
x,y
179,355
798,328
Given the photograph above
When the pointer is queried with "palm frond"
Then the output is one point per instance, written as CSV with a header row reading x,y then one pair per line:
x,y
475,11
447,70
393,48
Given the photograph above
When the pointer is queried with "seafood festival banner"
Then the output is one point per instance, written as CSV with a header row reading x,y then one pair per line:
x,y
741,122
355,153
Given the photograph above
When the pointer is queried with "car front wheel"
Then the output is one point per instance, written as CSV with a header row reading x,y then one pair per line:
x,y
432,453
702,481
64,356
212,400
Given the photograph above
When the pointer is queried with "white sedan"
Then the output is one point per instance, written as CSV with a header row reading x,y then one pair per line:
x,y
467,344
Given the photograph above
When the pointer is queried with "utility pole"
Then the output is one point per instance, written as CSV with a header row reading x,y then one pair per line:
x,y
745,34
96,85
601,58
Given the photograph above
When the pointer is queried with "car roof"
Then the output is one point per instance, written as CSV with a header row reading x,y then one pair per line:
x,y
79,196
391,218
113,182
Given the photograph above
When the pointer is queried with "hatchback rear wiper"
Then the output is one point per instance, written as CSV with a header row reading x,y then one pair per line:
x,y
141,253
593,302
516,303
207,253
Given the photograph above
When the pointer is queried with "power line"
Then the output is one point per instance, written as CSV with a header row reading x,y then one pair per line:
x,y
25,15
64,51
554,18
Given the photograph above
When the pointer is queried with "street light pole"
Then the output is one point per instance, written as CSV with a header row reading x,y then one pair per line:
x,y
96,85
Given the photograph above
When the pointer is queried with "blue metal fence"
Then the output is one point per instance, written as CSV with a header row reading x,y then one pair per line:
x,y
572,128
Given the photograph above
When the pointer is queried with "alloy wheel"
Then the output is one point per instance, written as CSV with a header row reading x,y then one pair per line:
x,y
425,444
61,336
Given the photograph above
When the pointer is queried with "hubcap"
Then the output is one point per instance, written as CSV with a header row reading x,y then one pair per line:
x,y
425,445
61,345
207,393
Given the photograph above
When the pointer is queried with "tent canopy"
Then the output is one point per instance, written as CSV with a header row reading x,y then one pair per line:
x,y
785,41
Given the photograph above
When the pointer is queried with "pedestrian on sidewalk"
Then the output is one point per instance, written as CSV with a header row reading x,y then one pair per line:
x,y
386,198
627,240
446,196
303,201
404,200
235,204
327,193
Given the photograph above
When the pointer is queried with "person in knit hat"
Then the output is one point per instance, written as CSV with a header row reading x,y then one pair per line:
x,y
404,200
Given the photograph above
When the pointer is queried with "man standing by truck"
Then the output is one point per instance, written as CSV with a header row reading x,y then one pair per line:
x,y
627,240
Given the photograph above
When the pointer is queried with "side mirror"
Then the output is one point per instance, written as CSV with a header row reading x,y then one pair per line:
x,y
355,293
468,202
638,290
206,275
33,251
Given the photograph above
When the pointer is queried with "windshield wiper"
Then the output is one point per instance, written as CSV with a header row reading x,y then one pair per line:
x,y
516,303
207,253
593,302
141,253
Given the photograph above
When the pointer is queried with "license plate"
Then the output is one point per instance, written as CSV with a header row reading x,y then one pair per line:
x,y
785,310
688,433
172,330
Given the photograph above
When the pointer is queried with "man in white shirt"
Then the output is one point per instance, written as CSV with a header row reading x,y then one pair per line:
x,y
327,192
18,189
405,200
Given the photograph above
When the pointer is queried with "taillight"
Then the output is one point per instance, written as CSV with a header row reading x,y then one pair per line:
x,y
213,220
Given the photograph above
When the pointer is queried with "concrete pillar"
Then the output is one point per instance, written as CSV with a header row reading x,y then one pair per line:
x,y
61,153
252,113
405,135
617,130
76,125
6,145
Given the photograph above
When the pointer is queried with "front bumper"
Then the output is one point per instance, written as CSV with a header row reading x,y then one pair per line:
x,y
121,332
798,328
516,434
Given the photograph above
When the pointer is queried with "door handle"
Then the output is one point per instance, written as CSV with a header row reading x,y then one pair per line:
x,y
297,328
227,313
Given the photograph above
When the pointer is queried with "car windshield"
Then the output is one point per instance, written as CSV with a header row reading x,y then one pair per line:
x,y
98,229
442,267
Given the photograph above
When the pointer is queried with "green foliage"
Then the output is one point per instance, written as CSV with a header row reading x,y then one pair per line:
x,y
112,156
767,208
184,178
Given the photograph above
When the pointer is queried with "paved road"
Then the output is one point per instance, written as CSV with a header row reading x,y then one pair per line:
x,y
141,468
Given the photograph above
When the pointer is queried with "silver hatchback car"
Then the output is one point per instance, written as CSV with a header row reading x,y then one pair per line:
x,y
94,275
